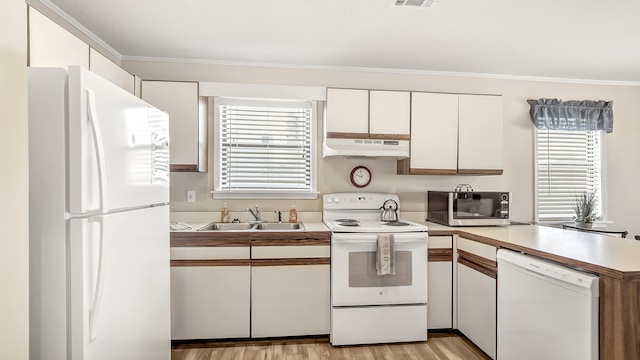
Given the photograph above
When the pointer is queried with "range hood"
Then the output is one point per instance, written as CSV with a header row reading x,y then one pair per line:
x,y
398,149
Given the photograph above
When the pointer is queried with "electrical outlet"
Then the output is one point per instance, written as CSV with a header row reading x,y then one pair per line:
x,y
191,196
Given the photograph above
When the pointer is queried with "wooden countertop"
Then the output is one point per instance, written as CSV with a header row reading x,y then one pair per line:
x,y
313,232
308,226
613,256
601,254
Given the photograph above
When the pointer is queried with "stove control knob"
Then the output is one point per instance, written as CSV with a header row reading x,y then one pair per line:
x,y
336,199
329,200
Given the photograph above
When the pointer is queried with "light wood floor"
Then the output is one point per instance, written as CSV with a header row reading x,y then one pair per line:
x,y
439,346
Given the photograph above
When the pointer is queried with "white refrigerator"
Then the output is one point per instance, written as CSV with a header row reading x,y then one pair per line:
x,y
99,220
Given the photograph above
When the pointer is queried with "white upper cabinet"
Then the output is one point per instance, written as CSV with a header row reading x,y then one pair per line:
x,y
454,134
106,68
50,45
480,138
347,113
368,114
389,114
434,133
187,128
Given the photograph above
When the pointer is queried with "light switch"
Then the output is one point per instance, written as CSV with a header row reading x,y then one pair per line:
x,y
191,196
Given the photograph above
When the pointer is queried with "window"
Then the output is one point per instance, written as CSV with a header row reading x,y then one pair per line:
x,y
568,163
265,149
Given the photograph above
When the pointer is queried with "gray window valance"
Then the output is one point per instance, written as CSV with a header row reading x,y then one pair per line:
x,y
556,114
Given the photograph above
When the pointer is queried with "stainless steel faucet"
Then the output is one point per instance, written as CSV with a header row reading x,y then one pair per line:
x,y
256,214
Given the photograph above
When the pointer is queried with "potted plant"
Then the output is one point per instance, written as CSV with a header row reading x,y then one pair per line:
x,y
585,209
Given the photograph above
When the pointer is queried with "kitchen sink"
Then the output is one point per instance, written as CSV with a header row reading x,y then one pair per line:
x,y
281,226
251,226
216,226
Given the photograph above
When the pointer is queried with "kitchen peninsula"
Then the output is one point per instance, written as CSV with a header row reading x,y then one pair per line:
x,y
615,260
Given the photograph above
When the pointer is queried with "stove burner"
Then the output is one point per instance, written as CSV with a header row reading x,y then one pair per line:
x,y
396,223
347,221
349,224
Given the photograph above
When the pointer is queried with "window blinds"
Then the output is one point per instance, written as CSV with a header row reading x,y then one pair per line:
x,y
265,147
568,164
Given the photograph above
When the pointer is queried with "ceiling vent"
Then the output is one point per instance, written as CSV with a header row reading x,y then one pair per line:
x,y
413,4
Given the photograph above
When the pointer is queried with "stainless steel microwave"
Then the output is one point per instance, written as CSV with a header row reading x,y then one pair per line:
x,y
468,208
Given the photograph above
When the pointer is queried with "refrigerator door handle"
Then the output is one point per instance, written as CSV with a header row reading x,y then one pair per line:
x,y
99,150
96,291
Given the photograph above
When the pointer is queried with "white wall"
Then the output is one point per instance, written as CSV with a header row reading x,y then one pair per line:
x,y
622,145
14,183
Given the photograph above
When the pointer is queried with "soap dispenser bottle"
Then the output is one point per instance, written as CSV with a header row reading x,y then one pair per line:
x,y
224,214
293,214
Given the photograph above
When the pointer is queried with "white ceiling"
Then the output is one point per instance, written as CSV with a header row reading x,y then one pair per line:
x,y
565,39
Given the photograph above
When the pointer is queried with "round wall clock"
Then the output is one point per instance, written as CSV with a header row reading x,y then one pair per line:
x,y
360,176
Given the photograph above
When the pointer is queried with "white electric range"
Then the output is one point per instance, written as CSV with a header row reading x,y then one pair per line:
x,y
368,307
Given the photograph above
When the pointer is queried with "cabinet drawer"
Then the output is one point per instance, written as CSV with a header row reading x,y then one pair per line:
x,y
209,253
440,242
440,249
477,248
287,252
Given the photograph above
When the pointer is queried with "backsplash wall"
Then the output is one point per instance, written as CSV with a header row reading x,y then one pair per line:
x,y
518,136
333,176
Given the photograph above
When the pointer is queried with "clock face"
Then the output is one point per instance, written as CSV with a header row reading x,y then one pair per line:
x,y
360,176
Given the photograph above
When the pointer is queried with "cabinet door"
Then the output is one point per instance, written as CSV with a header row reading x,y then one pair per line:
x,y
180,100
477,308
50,45
389,114
434,133
440,283
476,293
347,113
106,68
480,136
209,302
290,300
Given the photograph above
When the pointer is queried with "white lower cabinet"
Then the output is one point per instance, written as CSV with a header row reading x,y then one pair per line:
x,y
290,300
209,302
477,308
236,287
440,283
290,292
476,294
210,291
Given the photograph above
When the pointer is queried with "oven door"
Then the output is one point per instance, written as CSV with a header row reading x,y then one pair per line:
x,y
355,281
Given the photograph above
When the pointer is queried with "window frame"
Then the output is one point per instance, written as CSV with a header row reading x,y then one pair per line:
x,y
603,180
217,193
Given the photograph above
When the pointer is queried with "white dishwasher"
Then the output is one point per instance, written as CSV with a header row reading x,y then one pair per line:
x,y
545,310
